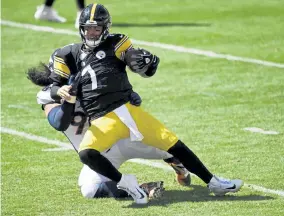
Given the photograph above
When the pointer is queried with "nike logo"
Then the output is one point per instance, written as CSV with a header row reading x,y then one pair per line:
x,y
142,195
234,187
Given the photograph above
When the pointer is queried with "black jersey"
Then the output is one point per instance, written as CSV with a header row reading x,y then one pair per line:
x,y
104,85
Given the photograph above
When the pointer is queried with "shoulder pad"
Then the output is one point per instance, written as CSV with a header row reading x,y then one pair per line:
x,y
66,60
116,37
64,51
70,49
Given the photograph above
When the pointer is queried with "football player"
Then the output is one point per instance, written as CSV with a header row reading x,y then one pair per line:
x,y
46,12
104,89
92,184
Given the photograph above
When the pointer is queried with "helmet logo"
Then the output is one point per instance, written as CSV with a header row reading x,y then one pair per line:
x,y
91,22
101,54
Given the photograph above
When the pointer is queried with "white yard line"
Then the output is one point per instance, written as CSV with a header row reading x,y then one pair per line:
x,y
260,130
175,48
36,138
66,146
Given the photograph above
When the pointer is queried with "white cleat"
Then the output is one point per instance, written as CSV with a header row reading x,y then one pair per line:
x,y
220,186
47,13
129,184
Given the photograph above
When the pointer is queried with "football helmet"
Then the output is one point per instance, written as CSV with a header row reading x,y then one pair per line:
x,y
94,15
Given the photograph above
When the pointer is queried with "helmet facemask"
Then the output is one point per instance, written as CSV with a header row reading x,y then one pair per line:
x,y
94,41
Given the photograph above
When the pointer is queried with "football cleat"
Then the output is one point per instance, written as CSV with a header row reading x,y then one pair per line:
x,y
129,184
220,186
47,13
182,175
154,190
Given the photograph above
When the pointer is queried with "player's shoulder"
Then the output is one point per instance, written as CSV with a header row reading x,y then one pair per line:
x,y
43,96
117,38
70,49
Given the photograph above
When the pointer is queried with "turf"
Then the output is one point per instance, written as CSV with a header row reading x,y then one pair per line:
x,y
207,102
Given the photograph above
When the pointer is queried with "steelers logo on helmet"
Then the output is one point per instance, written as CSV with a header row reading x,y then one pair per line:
x,y
94,24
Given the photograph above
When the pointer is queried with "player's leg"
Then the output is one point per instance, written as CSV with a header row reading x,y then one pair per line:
x,y
46,12
101,135
137,149
154,190
94,185
182,175
155,134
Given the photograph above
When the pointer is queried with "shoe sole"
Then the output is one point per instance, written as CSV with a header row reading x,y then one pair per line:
x,y
157,193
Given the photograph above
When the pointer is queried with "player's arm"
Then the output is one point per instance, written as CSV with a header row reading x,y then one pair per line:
x,y
138,60
122,44
59,115
61,71
142,62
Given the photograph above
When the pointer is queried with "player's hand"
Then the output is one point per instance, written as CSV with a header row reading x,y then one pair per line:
x,y
145,59
135,99
74,82
63,92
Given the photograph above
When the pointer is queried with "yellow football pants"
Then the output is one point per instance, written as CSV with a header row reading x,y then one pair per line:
x,y
107,130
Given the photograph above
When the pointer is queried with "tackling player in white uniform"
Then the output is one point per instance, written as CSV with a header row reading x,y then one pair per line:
x,y
92,184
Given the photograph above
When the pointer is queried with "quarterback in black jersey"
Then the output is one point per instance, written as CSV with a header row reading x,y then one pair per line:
x,y
103,90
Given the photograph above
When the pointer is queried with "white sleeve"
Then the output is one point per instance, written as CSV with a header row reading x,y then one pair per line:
x,y
43,96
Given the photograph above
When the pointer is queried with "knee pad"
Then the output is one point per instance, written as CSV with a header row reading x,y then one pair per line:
x,y
87,156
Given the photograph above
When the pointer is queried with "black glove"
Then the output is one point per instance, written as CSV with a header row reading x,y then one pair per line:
x,y
140,60
135,99
145,59
153,67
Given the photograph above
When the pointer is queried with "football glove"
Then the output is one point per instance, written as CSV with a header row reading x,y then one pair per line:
x,y
142,62
135,99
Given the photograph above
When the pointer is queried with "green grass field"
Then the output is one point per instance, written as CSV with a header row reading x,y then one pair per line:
x,y
207,101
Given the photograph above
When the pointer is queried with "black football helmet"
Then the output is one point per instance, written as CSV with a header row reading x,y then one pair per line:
x,y
94,15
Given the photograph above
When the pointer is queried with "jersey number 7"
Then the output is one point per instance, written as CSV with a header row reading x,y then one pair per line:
x,y
89,69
